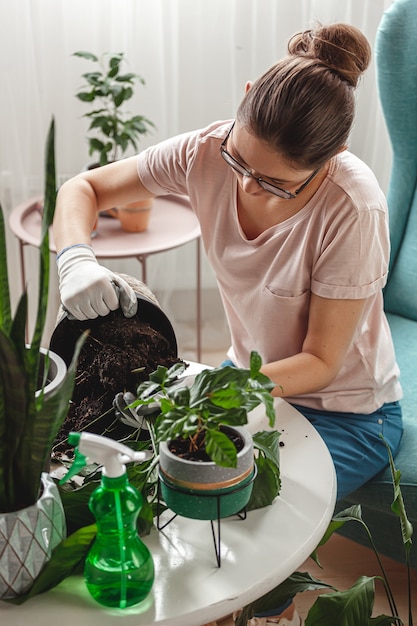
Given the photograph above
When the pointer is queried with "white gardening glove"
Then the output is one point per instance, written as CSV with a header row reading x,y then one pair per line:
x,y
89,289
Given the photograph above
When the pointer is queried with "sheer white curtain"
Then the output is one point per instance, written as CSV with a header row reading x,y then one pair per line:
x,y
195,56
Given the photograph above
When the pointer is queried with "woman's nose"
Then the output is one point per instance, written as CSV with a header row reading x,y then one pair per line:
x,y
249,184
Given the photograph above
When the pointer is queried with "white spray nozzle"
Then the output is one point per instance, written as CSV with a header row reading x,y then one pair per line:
x,y
111,454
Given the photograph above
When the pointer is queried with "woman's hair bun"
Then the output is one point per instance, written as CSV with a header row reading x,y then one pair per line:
x,y
342,48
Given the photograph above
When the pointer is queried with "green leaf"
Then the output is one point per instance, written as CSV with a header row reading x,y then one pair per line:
x,y
30,423
296,583
5,310
221,449
228,417
353,513
115,60
111,90
182,396
266,486
229,397
75,502
255,364
86,55
86,96
385,620
121,94
145,519
95,79
267,483
398,506
129,78
344,608
267,441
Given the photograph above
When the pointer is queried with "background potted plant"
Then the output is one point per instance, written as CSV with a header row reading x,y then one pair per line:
x,y
35,390
113,131
206,460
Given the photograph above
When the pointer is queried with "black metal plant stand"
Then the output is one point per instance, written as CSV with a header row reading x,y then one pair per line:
x,y
213,522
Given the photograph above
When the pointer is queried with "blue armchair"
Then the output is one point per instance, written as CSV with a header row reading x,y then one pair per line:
x,y
396,61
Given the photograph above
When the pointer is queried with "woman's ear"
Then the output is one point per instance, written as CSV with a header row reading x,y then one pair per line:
x,y
248,86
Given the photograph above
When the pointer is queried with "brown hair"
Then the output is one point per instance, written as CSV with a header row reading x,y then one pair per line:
x,y
304,105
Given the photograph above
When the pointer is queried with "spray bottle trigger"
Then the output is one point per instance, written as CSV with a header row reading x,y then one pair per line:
x,y
80,461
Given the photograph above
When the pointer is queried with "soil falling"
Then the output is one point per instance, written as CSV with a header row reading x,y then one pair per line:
x,y
118,354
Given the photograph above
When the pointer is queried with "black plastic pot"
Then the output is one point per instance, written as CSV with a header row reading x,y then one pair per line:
x,y
67,331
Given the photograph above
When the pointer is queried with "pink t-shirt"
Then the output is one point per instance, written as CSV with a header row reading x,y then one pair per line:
x,y
337,246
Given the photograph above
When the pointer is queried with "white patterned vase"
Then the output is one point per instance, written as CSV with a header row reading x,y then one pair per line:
x,y
27,538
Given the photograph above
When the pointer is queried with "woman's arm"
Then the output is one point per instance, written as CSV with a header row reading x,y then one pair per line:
x,y
87,288
82,197
331,328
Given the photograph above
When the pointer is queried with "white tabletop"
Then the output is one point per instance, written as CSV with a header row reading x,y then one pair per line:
x,y
172,224
257,553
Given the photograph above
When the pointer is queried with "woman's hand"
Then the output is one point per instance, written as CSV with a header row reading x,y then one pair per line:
x,y
89,289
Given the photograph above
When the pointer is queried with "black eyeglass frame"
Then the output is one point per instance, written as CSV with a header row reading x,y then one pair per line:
x,y
243,171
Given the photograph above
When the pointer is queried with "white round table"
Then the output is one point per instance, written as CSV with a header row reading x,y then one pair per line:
x,y
256,553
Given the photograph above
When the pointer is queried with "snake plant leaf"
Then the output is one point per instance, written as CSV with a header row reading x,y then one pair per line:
x,y
44,256
13,408
5,311
48,419
29,421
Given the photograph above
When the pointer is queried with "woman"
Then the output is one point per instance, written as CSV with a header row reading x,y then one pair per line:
x,y
296,230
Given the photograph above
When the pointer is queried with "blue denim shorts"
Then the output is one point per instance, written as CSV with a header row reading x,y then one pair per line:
x,y
354,442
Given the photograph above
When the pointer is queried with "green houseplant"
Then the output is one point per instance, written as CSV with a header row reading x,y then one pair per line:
x,y
206,460
107,89
30,414
112,130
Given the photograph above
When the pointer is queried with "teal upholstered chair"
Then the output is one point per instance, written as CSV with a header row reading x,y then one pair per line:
x,y
396,60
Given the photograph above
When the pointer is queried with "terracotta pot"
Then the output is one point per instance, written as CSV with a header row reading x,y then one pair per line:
x,y
134,217
27,538
205,490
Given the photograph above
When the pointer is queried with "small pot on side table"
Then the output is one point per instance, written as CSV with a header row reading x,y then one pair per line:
x,y
134,217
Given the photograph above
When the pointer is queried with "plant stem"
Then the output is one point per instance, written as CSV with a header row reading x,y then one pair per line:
x,y
387,586
410,616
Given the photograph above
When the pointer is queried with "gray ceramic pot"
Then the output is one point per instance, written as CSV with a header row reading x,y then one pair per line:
x,y
27,538
204,490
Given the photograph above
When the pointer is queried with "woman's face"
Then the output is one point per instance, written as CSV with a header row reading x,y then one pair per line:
x,y
261,161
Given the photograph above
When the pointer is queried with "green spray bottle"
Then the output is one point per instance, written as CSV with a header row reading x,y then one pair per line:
x,y
119,570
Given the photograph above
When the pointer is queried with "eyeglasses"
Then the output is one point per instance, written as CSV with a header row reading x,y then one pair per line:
x,y
243,171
